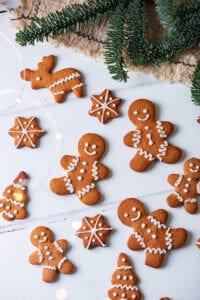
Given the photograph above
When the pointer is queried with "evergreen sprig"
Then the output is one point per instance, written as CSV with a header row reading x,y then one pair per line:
x,y
127,35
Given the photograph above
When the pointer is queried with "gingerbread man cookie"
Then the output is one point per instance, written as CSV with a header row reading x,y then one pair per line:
x,y
94,231
105,106
164,298
83,171
149,231
124,281
186,186
59,83
198,243
49,254
12,205
149,137
26,132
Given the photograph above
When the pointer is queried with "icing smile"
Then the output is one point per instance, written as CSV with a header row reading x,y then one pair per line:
x,y
193,170
145,118
93,152
43,240
136,218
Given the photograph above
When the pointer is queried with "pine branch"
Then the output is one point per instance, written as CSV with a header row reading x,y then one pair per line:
x,y
115,44
73,18
167,13
195,90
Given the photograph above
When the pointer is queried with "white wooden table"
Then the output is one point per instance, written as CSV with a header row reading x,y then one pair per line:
x,y
65,124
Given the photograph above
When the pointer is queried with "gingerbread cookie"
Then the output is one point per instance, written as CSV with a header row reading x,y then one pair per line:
x,y
186,186
94,231
105,106
198,120
49,254
26,132
149,137
82,172
149,231
124,281
198,243
12,205
59,83
164,298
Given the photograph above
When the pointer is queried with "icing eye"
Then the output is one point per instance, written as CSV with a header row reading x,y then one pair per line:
x,y
134,296
197,167
126,215
36,236
123,259
143,225
154,236
145,111
125,277
134,208
131,277
149,230
86,144
114,294
38,78
42,233
191,165
135,112
118,276
94,146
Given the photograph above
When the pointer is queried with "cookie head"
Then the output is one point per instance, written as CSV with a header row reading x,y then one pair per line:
x,y
91,146
130,211
15,193
41,235
192,168
142,111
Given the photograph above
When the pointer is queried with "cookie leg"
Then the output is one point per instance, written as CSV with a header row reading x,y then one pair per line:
x,y
89,195
179,237
174,200
48,275
79,91
172,155
154,260
61,186
59,98
141,161
191,205
65,266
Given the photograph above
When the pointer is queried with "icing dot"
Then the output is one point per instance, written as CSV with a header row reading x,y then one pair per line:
x,y
97,105
7,206
82,171
86,144
84,227
18,137
100,234
24,139
42,233
123,259
108,113
93,240
1,204
51,257
79,178
134,296
36,236
100,97
98,113
84,163
145,111
154,236
15,211
86,237
91,221
123,295
143,225
32,135
46,247
94,146
17,127
187,185
189,179
126,215
134,208
8,191
65,179
149,230
100,224
48,253
38,78
114,294
113,105
131,277
146,127
191,165
135,112
118,276
110,98
32,126
185,190
125,277
24,122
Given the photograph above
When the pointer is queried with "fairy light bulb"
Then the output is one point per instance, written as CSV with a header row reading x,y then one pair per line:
x,y
19,196
58,136
76,225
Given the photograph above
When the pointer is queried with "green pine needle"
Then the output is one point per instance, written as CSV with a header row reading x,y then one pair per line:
x,y
195,90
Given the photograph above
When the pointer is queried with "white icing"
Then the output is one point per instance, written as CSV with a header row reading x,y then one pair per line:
x,y
40,256
156,222
149,137
126,215
18,186
125,287
63,80
88,152
124,268
161,130
147,155
178,196
95,170
168,239
197,242
85,190
105,106
77,86
71,167
136,218
139,238
61,262
178,181
198,187
8,214
148,230
190,200
185,190
43,240
49,267
136,138
162,151
59,93
155,250
58,247
144,119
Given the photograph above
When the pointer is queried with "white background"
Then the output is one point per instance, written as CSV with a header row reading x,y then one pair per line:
x,y
179,276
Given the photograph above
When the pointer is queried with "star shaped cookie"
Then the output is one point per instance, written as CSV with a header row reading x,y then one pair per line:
x,y
104,106
94,231
26,132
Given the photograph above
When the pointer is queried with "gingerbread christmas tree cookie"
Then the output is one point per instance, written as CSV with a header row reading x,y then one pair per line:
x,y
58,83
149,137
12,205
49,254
149,231
186,186
124,281
83,171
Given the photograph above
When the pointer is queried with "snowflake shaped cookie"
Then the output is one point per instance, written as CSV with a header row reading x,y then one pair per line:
x,y
94,231
105,106
26,132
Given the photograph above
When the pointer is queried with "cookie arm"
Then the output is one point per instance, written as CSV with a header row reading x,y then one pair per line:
x,y
172,178
61,245
132,138
135,241
66,160
158,216
168,127
103,171
36,258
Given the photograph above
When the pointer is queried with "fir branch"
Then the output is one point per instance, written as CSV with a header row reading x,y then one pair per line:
x,y
167,13
195,90
115,44
73,18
